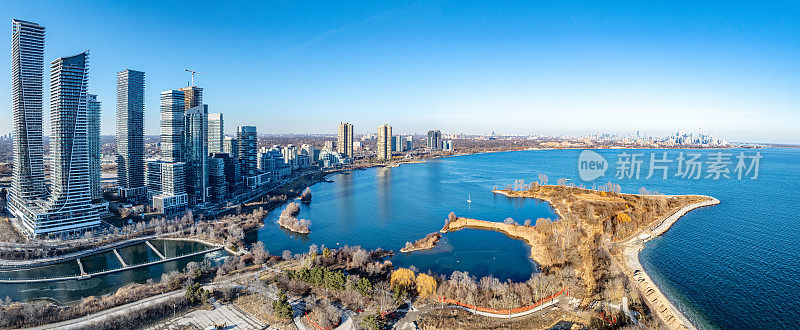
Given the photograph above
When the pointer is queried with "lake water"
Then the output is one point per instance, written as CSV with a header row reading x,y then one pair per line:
x,y
733,265
386,207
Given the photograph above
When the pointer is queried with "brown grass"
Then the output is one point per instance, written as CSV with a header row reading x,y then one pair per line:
x,y
591,221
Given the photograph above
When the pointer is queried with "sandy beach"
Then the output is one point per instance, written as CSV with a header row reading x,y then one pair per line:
x,y
656,300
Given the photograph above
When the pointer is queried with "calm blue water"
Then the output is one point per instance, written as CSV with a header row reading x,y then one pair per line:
x,y
385,207
734,265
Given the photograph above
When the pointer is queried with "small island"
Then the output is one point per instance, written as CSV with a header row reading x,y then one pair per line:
x,y
425,243
305,197
288,219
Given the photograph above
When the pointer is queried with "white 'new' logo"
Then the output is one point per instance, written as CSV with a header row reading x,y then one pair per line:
x,y
591,165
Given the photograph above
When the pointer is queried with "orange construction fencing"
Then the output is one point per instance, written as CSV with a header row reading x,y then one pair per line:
x,y
317,325
502,311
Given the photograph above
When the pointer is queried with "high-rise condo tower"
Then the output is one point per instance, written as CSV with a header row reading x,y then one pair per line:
x,y
344,143
130,134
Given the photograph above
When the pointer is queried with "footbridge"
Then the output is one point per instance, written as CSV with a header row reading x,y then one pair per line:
x,y
125,266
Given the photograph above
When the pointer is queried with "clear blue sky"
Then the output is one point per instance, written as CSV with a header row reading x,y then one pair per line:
x,y
731,68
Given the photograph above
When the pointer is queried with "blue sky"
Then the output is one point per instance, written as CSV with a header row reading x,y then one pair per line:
x,y
729,68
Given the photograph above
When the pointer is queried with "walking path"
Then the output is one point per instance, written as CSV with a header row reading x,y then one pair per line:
x,y
6,264
88,321
105,272
116,253
155,250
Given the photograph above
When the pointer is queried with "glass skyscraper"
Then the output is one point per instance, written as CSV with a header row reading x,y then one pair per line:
x,y
93,105
130,134
66,208
69,204
216,133
27,74
248,149
172,113
196,151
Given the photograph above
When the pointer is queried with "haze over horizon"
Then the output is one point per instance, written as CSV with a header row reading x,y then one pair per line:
x,y
566,68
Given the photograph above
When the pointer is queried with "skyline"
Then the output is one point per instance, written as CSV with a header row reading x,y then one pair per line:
x,y
542,69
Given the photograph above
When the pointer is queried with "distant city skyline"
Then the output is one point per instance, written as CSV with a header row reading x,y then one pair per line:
x,y
547,69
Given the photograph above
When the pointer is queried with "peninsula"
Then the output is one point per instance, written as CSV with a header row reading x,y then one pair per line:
x,y
596,241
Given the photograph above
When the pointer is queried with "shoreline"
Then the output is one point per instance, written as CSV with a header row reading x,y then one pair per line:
x,y
548,200
658,302
671,316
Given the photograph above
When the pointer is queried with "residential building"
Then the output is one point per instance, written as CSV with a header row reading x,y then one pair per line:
x,y
409,143
172,125
152,177
344,143
447,145
248,149
166,179
192,97
397,143
130,135
232,180
69,204
303,161
230,146
290,153
328,158
217,181
434,140
172,198
384,147
330,145
266,163
27,76
310,151
196,153
216,133
93,107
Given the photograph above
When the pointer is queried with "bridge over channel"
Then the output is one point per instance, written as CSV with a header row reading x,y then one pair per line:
x,y
125,266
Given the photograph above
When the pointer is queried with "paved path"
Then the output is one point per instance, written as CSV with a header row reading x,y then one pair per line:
x,y
91,319
105,272
230,315
155,250
86,321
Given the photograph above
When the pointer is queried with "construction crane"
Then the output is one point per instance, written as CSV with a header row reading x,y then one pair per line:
x,y
193,72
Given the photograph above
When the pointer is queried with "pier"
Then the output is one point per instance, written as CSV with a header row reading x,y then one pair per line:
x,y
155,250
80,266
116,253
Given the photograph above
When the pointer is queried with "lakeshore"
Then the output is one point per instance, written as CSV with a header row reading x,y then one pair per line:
x,y
664,308
345,186
628,258
641,217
